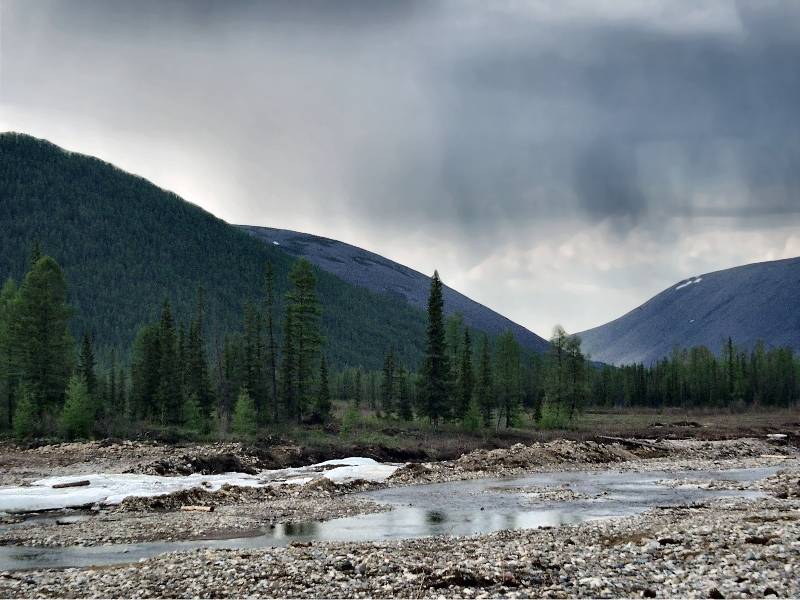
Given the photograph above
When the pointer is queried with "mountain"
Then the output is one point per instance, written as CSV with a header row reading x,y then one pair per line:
x,y
126,245
388,278
748,303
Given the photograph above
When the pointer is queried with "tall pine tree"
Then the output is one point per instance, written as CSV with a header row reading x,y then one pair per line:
x,y
435,384
271,344
303,305
169,396
485,391
41,347
465,377
388,383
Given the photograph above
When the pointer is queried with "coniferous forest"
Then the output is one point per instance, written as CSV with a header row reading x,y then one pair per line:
x,y
180,380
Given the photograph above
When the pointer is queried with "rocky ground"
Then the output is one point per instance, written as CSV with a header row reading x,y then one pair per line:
x,y
727,548
250,511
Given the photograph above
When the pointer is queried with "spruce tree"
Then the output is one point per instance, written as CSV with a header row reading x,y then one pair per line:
x,y
77,418
289,368
26,420
271,344
358,389
465,377
435,384
8,375
388,383
198,381
192,414
508,378
86,365
145,374
36,253
485,390
168,394
322,408
303,305
243,423
41,347
404,409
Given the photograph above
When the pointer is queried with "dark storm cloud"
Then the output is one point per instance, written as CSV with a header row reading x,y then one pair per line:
x,y
494,129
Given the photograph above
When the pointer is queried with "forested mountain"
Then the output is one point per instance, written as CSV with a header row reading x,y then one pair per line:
x,y
126,245
748,303
378,274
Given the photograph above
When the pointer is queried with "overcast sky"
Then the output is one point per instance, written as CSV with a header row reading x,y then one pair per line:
x,y
559,161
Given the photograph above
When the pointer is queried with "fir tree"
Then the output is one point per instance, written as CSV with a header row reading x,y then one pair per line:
x,y
388,383
77,418
508,378
168,395
322,408
435,384
289,368
271,344
358,388
465,376
404,408
86,365
243,423
26,419
303,305
192,413
485,391
145,373
36,253
197,377
41,347
8,376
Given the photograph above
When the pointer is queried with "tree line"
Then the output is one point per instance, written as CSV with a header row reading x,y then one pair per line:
x,y
180,379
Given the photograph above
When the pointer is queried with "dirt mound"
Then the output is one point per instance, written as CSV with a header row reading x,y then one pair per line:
x,y
412,473
227,494
520,456
204,464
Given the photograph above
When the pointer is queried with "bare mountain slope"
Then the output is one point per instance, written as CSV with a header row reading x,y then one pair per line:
x,y
760,301
378,274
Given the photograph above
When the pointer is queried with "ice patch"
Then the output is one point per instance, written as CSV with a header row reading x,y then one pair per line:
x,y
688,282
109,489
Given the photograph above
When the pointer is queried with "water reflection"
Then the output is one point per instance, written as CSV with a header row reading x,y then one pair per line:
x,y
455,508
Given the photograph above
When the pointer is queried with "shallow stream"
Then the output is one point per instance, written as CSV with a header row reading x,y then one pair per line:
x,y
455,508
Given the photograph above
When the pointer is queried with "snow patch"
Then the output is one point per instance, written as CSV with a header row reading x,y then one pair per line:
x,y
689,282
110,489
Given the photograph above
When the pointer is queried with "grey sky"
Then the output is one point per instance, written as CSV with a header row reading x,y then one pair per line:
x,y
558,161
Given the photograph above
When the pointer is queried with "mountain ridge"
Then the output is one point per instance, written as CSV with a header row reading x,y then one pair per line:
x,y
126,245
747,303
379,274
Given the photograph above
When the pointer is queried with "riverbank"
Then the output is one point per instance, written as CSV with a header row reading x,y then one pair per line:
x,y
724,548
234,511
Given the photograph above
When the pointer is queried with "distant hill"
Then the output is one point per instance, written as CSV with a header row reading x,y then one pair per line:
x,y
381,275
125,245
754,302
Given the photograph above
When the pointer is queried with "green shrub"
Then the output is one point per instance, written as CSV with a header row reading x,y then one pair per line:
x,y
472,419
554,416
192,414
77,418
244,422
350,420
25,419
